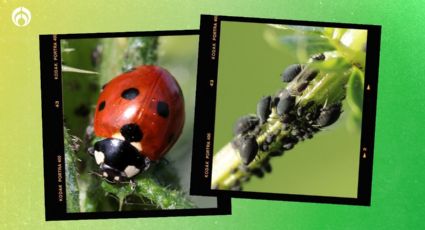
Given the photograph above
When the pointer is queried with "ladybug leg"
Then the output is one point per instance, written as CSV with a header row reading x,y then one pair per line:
x,y
101,176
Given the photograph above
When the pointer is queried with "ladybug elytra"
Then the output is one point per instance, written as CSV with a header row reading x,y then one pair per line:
x,y
140,114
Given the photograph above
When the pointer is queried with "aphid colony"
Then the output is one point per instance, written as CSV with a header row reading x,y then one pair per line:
x,y
281,122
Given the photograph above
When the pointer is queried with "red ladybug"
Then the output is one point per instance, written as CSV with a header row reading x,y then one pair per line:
x,y
141,115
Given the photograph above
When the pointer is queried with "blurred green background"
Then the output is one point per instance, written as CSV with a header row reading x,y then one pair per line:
x,y
249,68
399,161
177,54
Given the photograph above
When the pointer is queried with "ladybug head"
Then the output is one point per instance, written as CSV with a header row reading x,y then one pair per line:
x,y
118,160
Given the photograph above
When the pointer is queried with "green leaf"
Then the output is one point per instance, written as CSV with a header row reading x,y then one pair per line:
x,y
355,89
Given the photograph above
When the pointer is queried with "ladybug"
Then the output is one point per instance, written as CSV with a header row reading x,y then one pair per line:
x,y
140,114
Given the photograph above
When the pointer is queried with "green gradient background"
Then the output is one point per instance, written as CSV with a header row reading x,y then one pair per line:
x,y
398,177
249,68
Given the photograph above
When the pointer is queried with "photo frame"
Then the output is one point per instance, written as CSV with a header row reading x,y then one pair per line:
x,y
73,67
315,129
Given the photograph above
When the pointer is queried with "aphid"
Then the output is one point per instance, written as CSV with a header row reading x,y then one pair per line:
x,y
318,57
301,87
258,172
263,109
282,94
267,167
245,124
295,132
288,146
264,147
308,136
288,118
291,72
310,74
289,140
329,115
270,138
276,153
248,148
285,104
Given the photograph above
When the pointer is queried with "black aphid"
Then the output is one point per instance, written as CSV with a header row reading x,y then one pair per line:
x,y
285,104
291,72
248,148
318,57
263,109
245,124
288,118
329,115
258,172
310,74
301,87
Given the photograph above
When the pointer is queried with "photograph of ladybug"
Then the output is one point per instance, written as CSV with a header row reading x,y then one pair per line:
x,y
289,108
128,110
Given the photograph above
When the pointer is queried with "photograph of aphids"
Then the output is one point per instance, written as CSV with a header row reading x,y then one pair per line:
x,y
127,107
289,117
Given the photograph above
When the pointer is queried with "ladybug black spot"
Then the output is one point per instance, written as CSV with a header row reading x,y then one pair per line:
x,y
162,109
103,86
131,132
101,106
130,93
